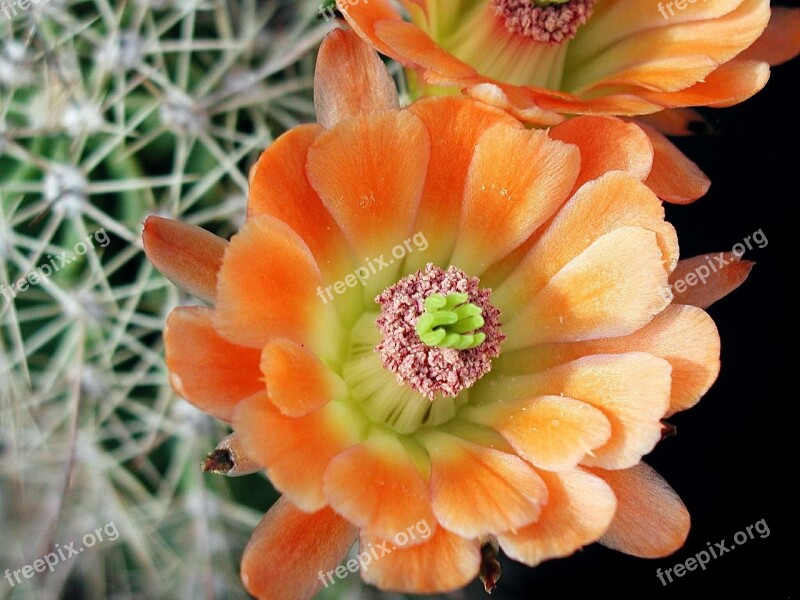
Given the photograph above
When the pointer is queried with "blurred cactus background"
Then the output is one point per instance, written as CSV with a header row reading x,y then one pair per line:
x,y
111,111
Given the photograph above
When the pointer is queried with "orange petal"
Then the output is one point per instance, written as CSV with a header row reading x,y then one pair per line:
x,y
614,287
688,339
444,563
185,254
674,177
579,510
612,22
632,390
415,48
625,104
455,124
378,487
684,336
551,432
296,461
702,280
730,84
631,150
505,201
513,100
369,172
279,187
781,41
268,288
290,549
350,80
206,369
598,208
298,381
479,491
673,57
664,74
363,16
651,521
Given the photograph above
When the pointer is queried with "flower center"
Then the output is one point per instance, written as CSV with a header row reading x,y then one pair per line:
x,y
546,21
440,332
448,321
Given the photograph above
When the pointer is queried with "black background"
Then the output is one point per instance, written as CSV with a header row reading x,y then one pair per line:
x,y
733,460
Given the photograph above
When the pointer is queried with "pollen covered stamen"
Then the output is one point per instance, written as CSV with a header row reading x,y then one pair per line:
x,y
425,318
546,21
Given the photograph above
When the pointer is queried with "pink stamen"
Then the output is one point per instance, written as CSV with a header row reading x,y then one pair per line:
x,y
431,370
553,24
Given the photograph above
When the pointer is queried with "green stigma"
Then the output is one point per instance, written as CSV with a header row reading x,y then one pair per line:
x,y
451,322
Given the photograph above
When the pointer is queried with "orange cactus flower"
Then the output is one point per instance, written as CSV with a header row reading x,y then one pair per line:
x,y
617,57
543,60
441,334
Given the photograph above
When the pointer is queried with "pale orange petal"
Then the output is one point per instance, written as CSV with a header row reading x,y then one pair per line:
x,y
505,200
363,16
614,103
781,41
350,80
614,287
551,432
279,187
631,150
671,57
612,22
632,390
515,101
296,461
187,255
651,520
579,510
298,381
455,124
731,83
479,491
378,487
369,172
684,336
664,74
688,339
444,563
703,280
674,177
206,369
289,549
415,48
268,288
599,207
